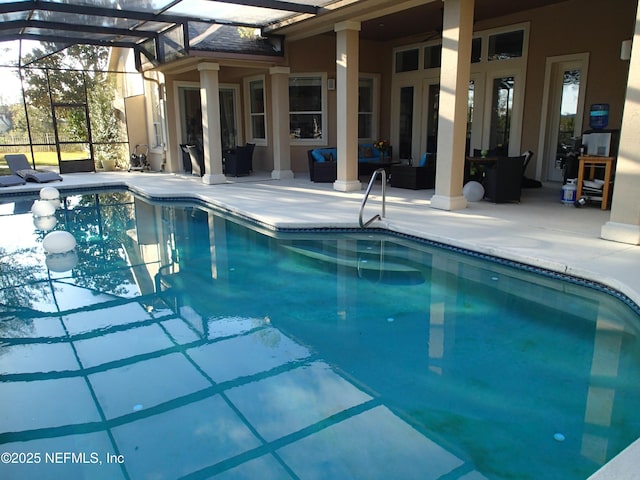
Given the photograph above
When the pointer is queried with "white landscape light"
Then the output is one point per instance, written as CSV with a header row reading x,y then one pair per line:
x,y
58,242
62,262
43,208
473,191
44,224
49,193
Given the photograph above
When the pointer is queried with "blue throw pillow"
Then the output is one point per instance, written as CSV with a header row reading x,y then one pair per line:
x,y
317,155
423,160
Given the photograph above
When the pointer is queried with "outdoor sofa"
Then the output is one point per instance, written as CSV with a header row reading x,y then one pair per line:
x,y
323,162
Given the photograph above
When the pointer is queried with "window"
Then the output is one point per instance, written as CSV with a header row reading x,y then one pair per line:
x,y
407,60
406,122
502,108
433,106
257,110
507,45
476,50
366,92
157,137
470,107
433,56
306,106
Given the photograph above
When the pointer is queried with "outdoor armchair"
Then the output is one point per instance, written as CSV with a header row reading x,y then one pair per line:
x,y
239,162
503,180
19,165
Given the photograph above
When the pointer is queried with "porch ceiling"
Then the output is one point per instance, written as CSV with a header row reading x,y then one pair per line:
x,y
387,21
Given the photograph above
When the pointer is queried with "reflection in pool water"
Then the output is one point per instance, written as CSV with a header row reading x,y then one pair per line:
x,y
187,344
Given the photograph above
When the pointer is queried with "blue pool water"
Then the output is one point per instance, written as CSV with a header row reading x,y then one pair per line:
x,y
179,342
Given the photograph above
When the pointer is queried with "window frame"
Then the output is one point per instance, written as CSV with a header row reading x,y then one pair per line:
x,y
375,107
249,114
324,137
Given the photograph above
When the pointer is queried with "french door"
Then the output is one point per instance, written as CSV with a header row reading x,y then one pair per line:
x,y
503,112
190,128
563,110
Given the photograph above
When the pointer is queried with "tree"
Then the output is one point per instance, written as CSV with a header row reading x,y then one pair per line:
x,y
71,79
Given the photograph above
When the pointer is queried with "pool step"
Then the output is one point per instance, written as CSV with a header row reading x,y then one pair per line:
x,y
366,263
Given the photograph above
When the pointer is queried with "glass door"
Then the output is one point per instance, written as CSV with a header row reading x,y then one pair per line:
x,y
501,113
229,118
565,110
73,133
431,112
191,116
405,130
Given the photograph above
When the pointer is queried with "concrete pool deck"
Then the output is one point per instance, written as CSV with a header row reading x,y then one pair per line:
x,y
540,231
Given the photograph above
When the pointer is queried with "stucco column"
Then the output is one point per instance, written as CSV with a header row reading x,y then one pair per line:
x,y
624,222
454,91
347,75
210,100
280,123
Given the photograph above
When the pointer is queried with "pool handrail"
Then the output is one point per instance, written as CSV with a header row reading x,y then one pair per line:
x,y
383,172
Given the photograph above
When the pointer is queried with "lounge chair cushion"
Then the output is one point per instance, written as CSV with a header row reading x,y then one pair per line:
x,y
36,176
19,165
11,180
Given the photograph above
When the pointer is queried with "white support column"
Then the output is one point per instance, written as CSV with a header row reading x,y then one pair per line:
x,y
624,224
210,100
454,91
280,124
347,75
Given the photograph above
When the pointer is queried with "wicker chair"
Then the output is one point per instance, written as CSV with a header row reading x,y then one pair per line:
x,y
322,172
415,177
240,162
503,180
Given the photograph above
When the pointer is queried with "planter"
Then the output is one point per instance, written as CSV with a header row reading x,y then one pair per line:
x,y
109,165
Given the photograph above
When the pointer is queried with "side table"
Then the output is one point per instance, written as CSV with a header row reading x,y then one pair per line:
x,y
592,162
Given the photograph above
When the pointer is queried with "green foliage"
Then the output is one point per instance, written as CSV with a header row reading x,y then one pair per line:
x,y
71,79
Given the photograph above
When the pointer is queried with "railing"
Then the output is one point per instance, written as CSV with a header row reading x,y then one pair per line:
x,y
366,196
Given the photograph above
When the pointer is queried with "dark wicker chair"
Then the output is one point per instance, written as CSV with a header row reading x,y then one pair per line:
x,y
322,172
239,162
503,180
197,159
186,158
415,177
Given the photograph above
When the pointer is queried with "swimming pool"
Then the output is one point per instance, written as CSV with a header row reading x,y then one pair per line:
x,y
185,343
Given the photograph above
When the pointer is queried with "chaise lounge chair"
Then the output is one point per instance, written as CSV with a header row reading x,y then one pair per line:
x,y
11,180
19,165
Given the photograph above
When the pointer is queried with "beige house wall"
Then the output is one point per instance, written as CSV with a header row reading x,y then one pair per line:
x,y
135,109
